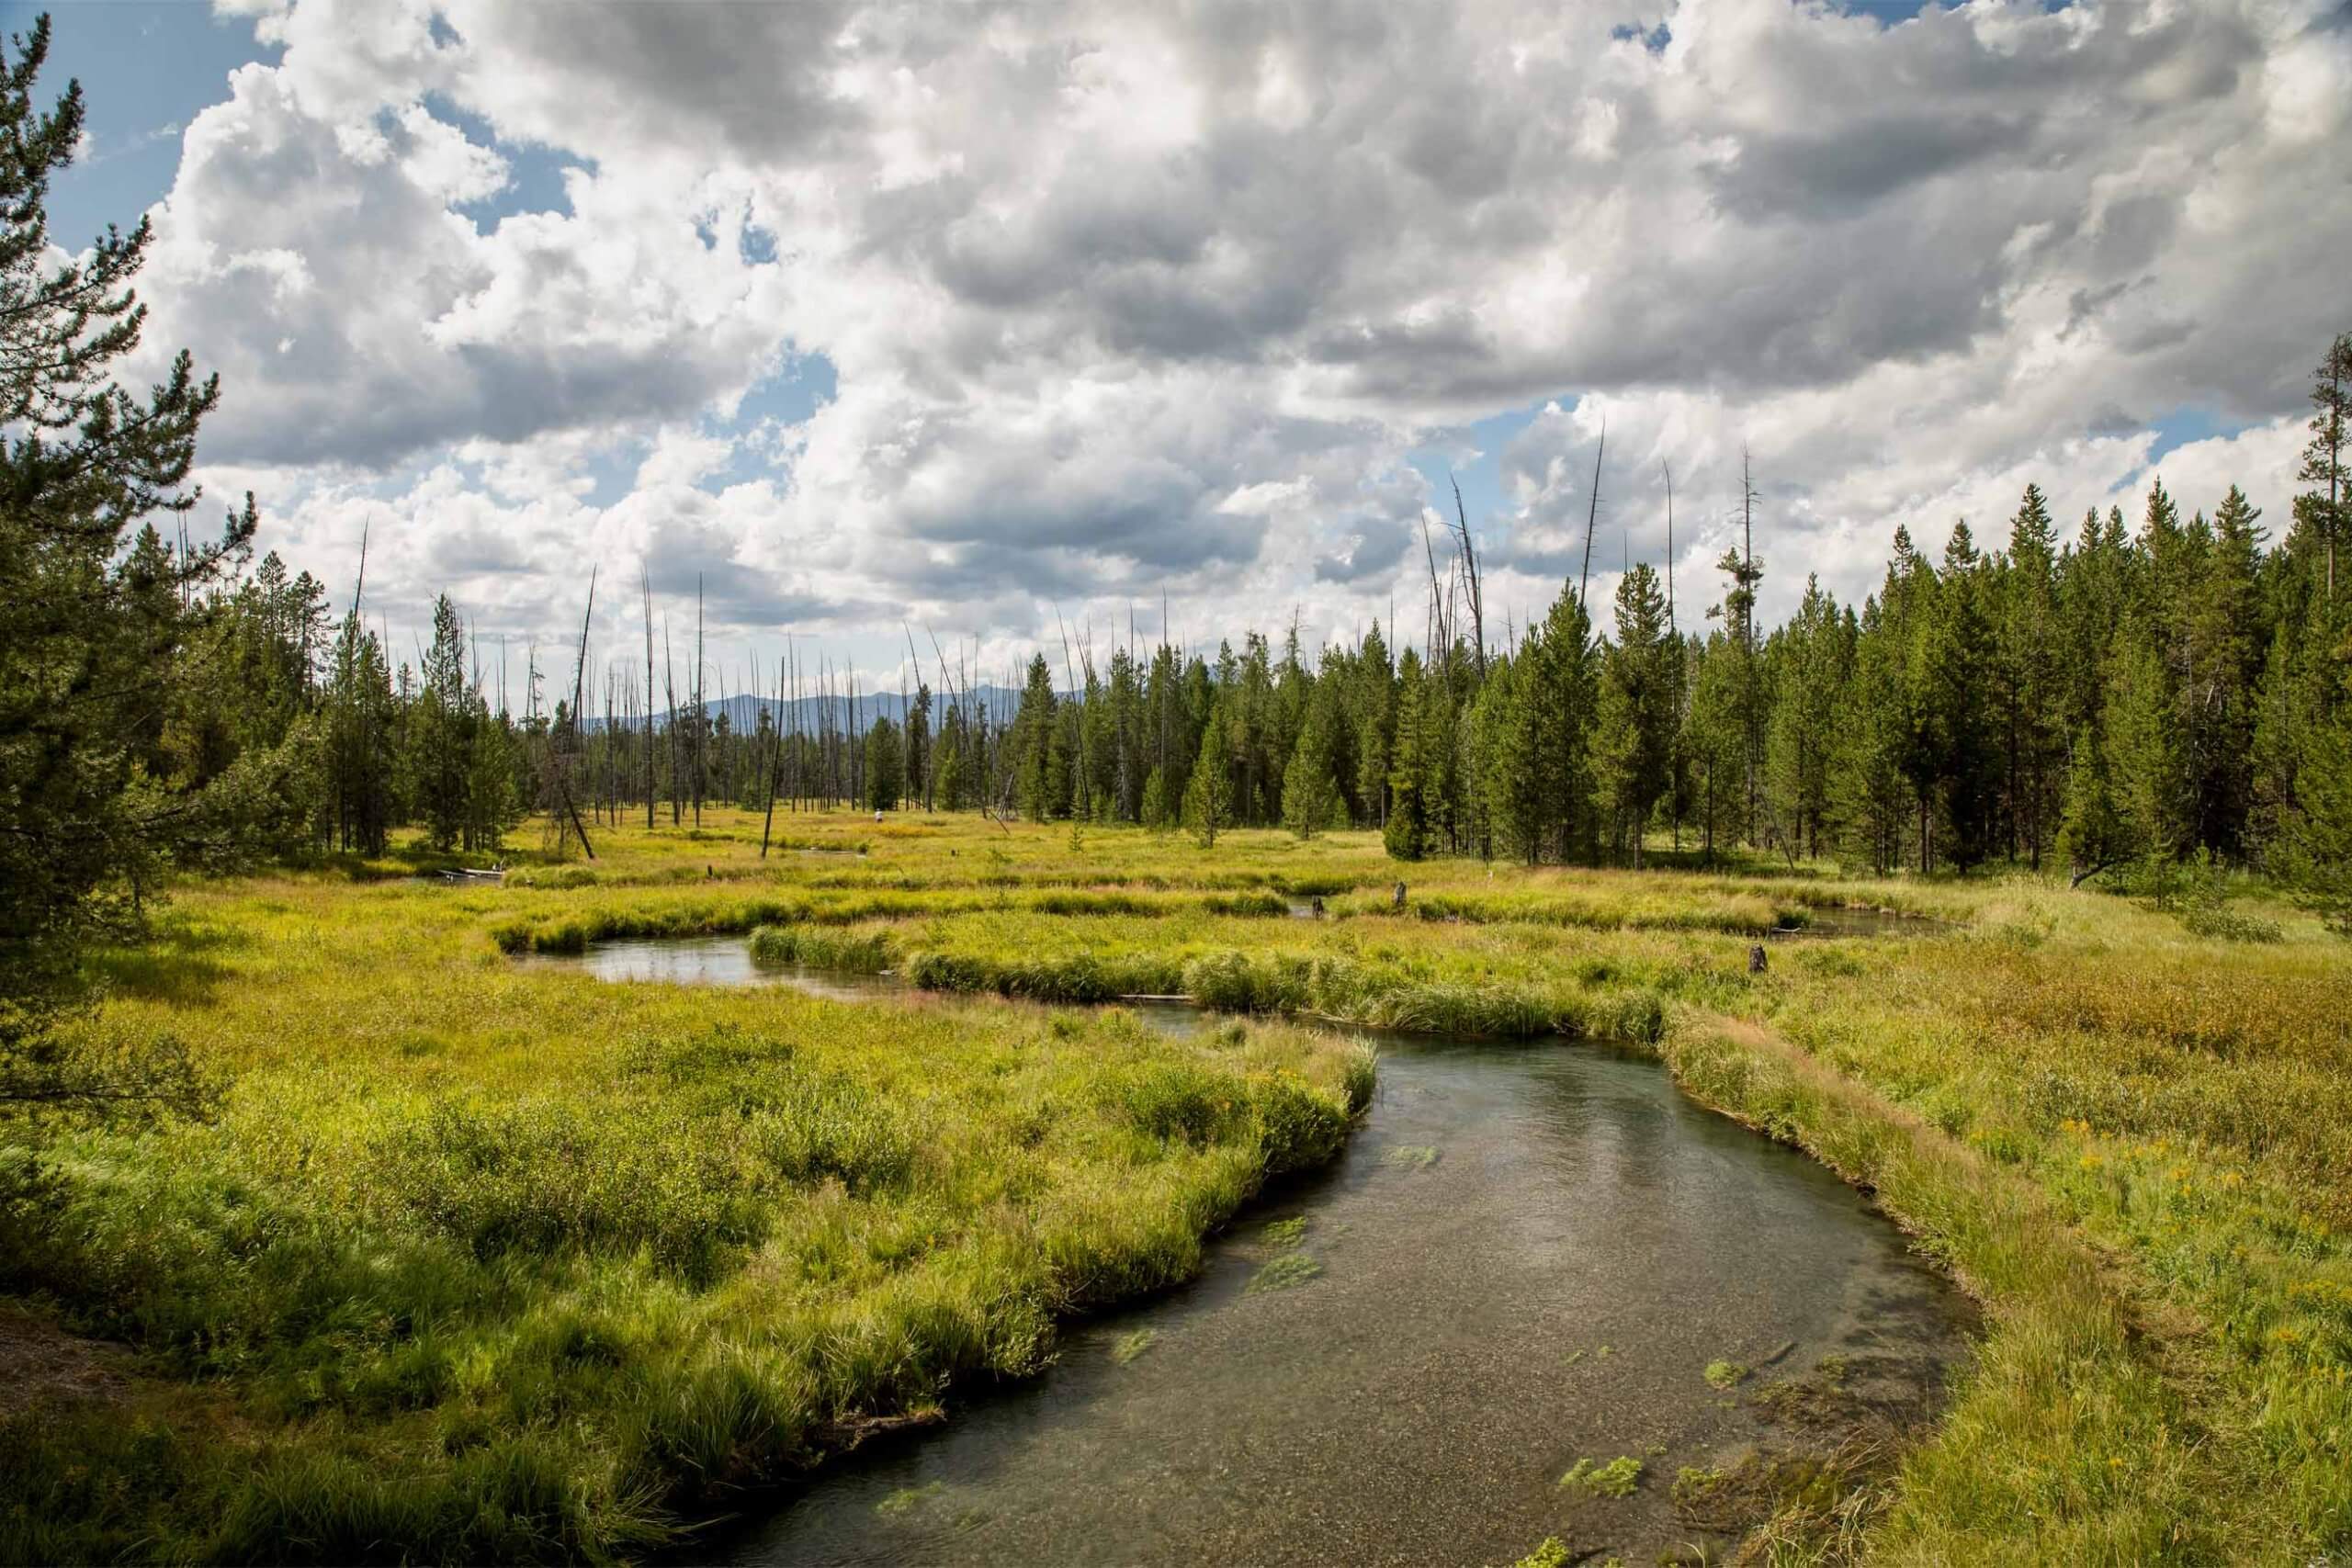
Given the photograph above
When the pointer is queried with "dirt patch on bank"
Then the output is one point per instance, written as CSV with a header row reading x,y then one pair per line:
x,y
41,1364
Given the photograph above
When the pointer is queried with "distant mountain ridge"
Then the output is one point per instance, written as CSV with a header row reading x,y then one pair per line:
x,y
804,714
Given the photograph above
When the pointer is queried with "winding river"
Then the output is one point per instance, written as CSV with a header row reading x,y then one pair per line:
x,y
1529,1255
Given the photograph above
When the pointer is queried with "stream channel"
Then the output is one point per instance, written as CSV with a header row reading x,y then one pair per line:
x,y
1530,1254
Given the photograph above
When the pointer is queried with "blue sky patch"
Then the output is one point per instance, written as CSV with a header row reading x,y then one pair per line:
x,y
534,172
1480,475
147,68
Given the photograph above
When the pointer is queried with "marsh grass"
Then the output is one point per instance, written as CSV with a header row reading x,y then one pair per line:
x,y
1725,1375
1289,1231
1285,1271
1615,1478
1550,1553
907,1499
2010,1101
484,1262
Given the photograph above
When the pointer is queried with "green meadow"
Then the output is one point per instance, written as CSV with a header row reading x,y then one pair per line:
x,y
481,1259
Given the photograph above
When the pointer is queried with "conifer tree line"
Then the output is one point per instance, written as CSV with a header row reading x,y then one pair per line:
x,y
2080,699
2119,692
2073,698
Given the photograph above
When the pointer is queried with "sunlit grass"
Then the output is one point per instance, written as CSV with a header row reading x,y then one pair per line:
x,y
485,1260
491,1262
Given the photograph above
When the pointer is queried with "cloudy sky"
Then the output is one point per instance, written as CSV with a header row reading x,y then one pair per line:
x,y
972,314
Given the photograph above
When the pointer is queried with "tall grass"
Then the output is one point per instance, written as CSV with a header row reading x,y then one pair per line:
x,y
2131,1145
493,1263
484,1261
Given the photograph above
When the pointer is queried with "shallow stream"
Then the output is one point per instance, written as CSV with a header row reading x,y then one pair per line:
x,y
1529,1255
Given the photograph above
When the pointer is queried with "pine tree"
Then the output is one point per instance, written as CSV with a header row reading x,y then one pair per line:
x,y
1309,791
2031,708
2094,833
1870,795
1742,678
2224,645
948,773
1559,690
85,627
2313,852
1955,680
885,766
1041,779
1208,794
919,758
2137,742
442,761
1373,712
2324,512
1814,657
1407,831
492,801
1633,715
1715,740
1511,755
362,794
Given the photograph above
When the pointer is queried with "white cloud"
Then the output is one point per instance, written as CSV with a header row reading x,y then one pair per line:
x,y
1127,297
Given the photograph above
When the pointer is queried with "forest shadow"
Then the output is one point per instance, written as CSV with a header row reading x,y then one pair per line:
x,y
178,964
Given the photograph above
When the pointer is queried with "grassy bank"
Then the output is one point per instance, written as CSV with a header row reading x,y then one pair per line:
x,y
483,1260
2131,1144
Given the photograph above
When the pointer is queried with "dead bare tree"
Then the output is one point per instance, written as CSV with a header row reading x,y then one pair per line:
x,y
1668,472
1470,573
561,757
1085,811
1592,516
669,731
646,581
702,718
776,759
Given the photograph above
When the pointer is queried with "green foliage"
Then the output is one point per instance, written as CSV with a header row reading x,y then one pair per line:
x,y
1286,1272
1157,813
1310,794
1617,1478
1550,1553
1208,797
96,610
1635,713
885,767
1409,833
464,1277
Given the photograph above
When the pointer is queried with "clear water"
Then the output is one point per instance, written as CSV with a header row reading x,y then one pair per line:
x,y
726,961
1862,922
1529,1254
1506,1213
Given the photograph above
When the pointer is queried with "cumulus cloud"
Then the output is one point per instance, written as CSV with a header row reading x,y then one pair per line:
x,y
1124,297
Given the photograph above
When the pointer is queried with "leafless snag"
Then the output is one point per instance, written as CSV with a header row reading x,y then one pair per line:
x,y
1592,516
